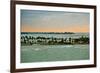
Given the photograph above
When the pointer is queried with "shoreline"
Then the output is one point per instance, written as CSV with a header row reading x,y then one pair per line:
x,y
30,40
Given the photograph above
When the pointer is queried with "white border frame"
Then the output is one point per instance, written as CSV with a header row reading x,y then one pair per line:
x,y
58,63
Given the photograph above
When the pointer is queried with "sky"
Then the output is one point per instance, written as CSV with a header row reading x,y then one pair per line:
x,y
54,21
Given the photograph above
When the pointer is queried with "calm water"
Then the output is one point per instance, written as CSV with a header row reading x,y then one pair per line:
x,y
43,53
39,53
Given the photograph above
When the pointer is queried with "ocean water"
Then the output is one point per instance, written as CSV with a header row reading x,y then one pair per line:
x,y
45,53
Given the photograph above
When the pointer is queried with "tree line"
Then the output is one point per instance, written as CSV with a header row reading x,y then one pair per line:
x,y
30,40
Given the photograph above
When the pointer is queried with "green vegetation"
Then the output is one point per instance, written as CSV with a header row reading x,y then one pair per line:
x,y
30,40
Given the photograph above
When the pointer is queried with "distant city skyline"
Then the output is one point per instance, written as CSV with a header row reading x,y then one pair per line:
x,y
54,21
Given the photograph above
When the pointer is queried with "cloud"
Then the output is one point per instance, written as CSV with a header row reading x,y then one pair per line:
x,y
50,20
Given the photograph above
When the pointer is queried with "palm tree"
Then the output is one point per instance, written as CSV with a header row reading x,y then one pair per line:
x,y
70,40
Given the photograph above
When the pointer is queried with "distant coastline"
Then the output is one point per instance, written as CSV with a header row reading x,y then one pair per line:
x,y
28,39
47,33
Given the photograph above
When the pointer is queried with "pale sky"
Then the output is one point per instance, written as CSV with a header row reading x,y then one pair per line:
x,y
54,21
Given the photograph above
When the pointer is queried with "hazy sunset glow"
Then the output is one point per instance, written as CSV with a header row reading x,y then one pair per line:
x,y
54,21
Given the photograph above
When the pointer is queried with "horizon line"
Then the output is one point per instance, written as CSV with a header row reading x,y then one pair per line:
x,y
56,32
